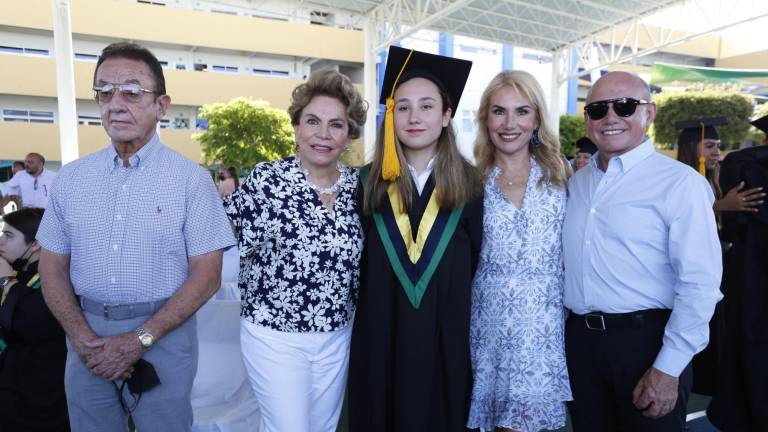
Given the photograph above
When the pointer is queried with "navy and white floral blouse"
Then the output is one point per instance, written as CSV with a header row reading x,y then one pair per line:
x,y
299,263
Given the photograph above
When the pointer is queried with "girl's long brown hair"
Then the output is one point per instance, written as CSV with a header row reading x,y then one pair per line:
x,y
688,153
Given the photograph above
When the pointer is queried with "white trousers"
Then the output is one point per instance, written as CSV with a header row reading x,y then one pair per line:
x,y
297,378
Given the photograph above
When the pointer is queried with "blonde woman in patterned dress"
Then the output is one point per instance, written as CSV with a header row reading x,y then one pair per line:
x,y
516,330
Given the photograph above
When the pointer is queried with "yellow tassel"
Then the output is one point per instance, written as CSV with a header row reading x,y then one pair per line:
x,y
390,166
702,165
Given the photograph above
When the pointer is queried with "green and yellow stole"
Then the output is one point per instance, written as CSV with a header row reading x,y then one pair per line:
x,y
413,261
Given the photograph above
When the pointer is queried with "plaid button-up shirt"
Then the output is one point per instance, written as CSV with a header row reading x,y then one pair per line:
x,y
130,230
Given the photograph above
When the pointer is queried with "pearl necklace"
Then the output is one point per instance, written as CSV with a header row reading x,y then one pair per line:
x,y
330,190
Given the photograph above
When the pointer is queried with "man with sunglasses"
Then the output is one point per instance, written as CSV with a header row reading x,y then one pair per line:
x,y
642,269
33,183
132,245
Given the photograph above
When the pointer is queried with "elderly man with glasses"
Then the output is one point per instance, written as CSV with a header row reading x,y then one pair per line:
x,y
642,269
132,245
33,183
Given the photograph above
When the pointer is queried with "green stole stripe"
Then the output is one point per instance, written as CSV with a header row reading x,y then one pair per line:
x,y
413,292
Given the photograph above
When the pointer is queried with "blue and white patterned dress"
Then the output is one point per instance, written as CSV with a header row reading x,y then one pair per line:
x,y
516,329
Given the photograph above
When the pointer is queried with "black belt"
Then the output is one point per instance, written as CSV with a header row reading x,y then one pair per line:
x,y
124,311
607,321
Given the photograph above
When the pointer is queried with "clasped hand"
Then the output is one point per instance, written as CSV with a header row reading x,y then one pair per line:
x,y
111,357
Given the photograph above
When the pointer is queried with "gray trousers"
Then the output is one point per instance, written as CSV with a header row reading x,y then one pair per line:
x,y
93,401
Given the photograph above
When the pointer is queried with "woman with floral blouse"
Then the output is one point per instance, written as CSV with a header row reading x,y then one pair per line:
x,y
300,240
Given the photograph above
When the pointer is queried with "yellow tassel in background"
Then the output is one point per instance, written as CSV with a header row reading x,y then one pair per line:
x,y
390,166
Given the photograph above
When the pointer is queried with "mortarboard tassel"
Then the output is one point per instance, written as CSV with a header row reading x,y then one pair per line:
x,y
390,164
702,165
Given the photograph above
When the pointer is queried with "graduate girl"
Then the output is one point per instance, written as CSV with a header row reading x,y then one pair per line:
x,y
422,218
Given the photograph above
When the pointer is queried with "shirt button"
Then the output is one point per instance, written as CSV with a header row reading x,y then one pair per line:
x,y
118,216
588,242
114,247
113,279
125,186
593,211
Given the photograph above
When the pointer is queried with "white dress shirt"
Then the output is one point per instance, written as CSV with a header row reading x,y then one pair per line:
x,y
421,179
642,235
32,190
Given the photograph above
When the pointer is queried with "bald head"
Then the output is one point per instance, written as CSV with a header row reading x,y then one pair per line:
x,y
624,80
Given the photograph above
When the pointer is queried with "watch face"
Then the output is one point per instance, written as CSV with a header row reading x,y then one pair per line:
x,y
146,340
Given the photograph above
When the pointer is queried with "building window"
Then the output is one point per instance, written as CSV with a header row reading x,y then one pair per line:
x,y
27,116
219,68
165,123
269,72
86,57
164,64
181,66
23,51
89,119
201,67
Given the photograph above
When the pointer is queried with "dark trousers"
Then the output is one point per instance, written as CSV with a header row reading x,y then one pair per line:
x,y
605,364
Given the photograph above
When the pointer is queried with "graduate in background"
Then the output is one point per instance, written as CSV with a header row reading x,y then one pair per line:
x,y
586,148
698,146
741,398
422,218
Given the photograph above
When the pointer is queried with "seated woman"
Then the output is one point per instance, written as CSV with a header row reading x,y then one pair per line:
x,y
300,240
32,363
517,331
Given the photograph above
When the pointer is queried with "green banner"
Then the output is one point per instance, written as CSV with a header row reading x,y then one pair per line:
x,y
667,74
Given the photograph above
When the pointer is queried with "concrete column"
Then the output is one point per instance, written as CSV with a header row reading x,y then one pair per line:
x,y
65,80
370,89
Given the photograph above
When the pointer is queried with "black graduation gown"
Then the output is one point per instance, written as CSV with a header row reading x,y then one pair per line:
x,y
740,402
410,368
32,365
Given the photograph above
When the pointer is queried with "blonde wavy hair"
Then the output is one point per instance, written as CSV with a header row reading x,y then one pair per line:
x,y
547,155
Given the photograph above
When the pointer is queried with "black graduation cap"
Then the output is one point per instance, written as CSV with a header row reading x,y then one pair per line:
x,y
448,74
585,145
692,129
761,123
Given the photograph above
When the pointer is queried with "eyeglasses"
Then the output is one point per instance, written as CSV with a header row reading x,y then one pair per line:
x,y
623,107
131,92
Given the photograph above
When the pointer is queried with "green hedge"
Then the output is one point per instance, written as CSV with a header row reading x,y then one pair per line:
x,y
675,107
571,129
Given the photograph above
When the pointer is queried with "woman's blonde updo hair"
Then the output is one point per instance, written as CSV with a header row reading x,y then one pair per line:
x,y
331,83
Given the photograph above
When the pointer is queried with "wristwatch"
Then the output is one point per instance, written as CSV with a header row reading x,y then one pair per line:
x,y
145,338
5,280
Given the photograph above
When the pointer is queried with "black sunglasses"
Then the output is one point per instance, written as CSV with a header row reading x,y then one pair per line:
x,y
623,107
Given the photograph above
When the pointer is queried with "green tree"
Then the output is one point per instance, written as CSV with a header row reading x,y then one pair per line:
x,y
675,107
244,132
571,129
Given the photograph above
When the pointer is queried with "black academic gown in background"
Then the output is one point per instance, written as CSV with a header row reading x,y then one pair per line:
x,y
410,368
740,402
32,365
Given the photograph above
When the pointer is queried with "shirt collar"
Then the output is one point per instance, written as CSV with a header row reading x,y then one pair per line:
x,y
142,157
628,160
426,172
